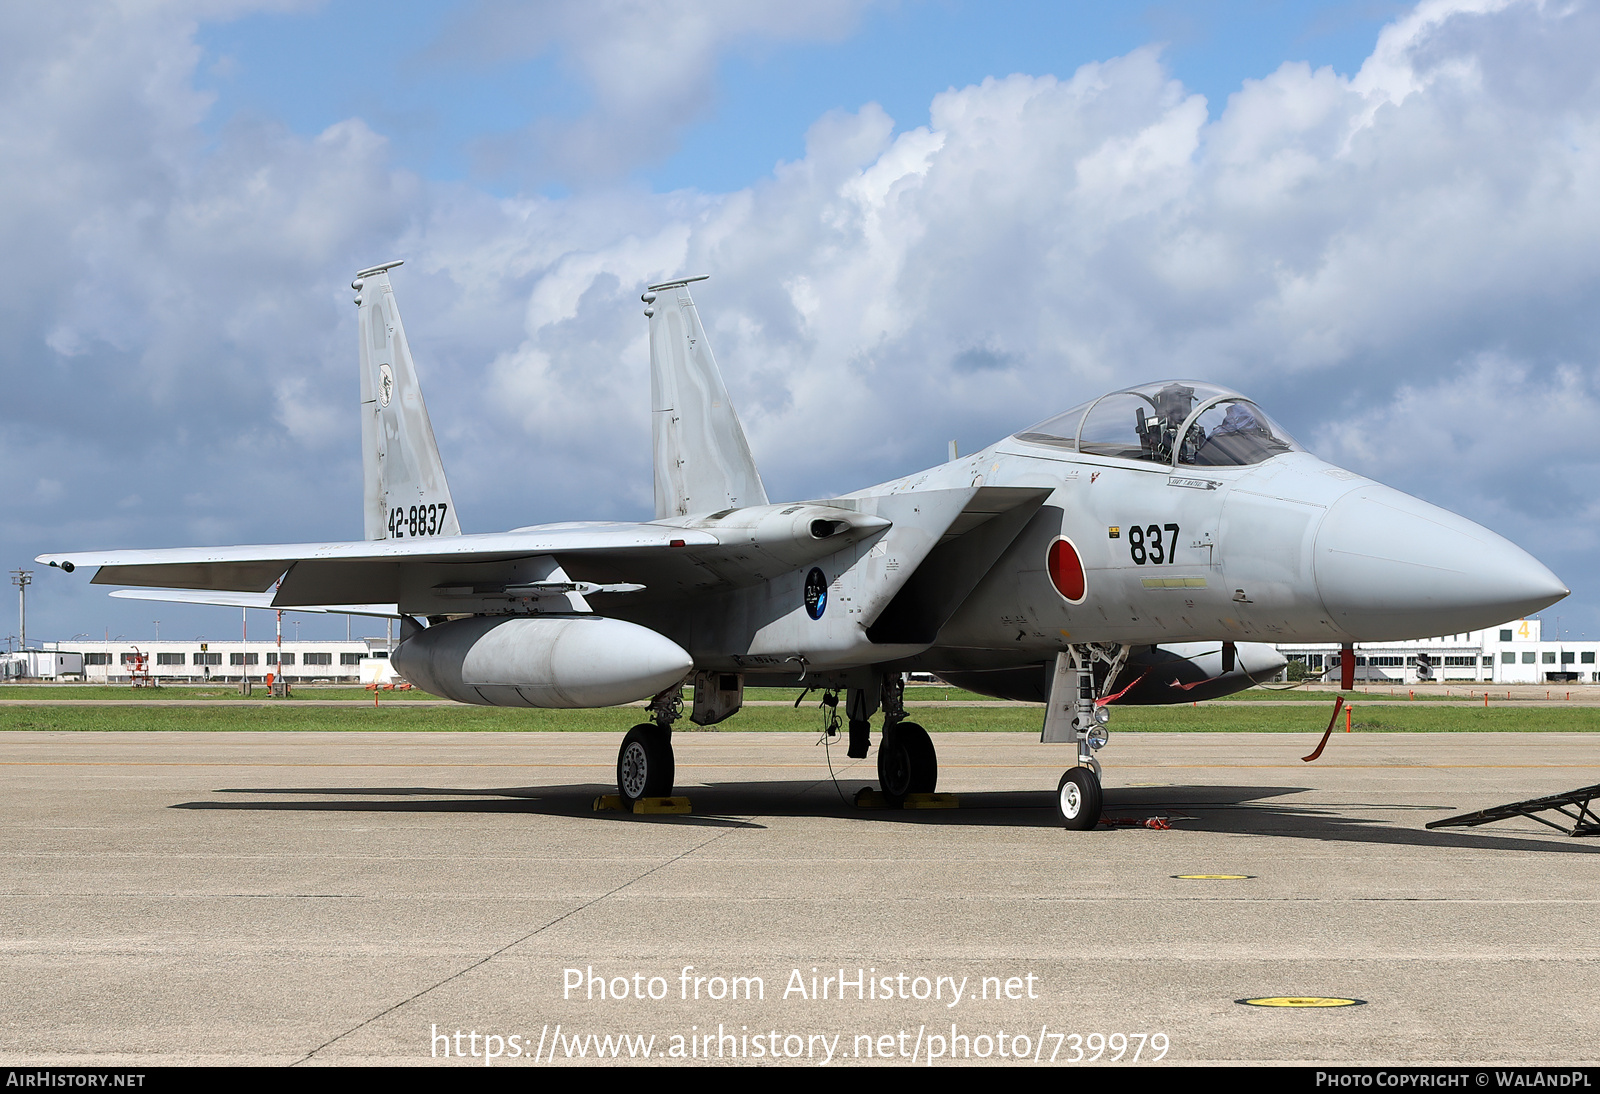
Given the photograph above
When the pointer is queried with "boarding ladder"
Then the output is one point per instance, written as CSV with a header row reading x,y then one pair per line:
x,y
1576,805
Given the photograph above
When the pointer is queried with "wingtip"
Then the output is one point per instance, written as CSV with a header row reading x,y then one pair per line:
x,y
675,283
380,268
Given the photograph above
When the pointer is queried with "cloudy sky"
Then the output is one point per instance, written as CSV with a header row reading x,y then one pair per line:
x,y
924,220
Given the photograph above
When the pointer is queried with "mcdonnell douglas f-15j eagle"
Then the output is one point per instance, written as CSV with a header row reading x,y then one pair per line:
x,y
1138,548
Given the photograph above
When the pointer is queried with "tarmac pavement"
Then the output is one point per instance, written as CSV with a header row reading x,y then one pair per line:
x,y
327,899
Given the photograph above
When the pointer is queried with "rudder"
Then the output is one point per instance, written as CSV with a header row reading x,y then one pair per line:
x,y
702,459
405,493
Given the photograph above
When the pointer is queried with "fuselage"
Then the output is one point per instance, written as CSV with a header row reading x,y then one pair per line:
x,y
1292,549
1137,541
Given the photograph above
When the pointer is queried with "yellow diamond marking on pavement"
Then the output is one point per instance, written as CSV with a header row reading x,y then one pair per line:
x,y
1300,1001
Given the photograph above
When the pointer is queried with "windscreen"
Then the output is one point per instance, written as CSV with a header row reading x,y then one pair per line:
x,y
1233,433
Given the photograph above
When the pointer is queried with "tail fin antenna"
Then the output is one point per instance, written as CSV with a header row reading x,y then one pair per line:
x,y
404,489
702,459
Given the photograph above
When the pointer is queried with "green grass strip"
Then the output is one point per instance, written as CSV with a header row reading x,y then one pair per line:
x,y
227,692
1206,718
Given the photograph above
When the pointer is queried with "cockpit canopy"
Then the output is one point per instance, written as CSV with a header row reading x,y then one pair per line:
x,y
1220,428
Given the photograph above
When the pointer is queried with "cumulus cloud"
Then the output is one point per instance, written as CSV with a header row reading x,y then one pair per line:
x,y
1489,436
649,68
1396,262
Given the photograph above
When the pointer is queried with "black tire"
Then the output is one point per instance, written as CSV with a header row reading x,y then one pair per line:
x,y
907,762
645,768
1079,799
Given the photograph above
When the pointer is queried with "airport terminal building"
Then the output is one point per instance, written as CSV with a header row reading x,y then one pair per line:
x,y
197,661
1512,653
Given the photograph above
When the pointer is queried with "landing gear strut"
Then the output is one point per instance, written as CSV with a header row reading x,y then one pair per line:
x,y
907,762
645,765
1074,717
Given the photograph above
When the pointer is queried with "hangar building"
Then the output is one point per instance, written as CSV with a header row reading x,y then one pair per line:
x,y
198,661
1512,653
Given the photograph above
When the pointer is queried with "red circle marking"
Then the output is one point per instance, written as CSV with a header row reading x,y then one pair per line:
x,y
1066,570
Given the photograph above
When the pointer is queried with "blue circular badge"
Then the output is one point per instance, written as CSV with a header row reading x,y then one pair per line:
x,y
816,593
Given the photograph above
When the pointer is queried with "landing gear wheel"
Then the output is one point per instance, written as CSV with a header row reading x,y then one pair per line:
x,y
645,767
907,762
1079,799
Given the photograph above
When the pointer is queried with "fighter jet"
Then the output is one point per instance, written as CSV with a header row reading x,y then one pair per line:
x,y
1142,547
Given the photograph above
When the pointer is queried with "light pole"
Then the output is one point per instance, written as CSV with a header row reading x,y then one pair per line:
x,y
22,579
244,656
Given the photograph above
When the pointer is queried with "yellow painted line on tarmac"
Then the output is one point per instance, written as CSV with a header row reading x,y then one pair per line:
x,y
1301,1001
1214,877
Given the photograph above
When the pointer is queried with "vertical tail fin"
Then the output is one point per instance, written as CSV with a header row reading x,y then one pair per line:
x,y
404,489
702,459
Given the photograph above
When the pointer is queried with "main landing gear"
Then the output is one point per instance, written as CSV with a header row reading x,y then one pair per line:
x,y
907,762
1074,717
645,766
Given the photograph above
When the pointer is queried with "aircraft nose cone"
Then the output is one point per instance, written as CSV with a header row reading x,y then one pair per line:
x,y
1391,566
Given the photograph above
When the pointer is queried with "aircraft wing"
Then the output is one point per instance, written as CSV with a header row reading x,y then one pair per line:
x,y
255,568
251,600
469,573
373,572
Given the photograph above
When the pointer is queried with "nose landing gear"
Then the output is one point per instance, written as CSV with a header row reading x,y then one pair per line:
x,y
1074,717
1079,798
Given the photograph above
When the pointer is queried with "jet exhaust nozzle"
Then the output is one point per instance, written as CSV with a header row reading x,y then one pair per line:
x,y
565,662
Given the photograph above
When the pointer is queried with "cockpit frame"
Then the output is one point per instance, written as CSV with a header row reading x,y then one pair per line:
x,y
1254,437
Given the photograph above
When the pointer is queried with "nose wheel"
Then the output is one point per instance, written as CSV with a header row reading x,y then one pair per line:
x,y
1079,799
1076,715
645,767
